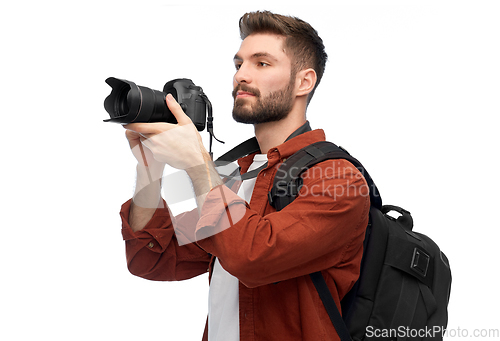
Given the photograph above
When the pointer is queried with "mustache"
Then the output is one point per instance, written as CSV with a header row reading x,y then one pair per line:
x,y
246,88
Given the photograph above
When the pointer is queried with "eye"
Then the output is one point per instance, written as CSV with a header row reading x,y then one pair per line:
x,y
237,66
264,64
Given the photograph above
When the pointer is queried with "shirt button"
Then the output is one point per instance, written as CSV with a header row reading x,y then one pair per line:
x,y
151,245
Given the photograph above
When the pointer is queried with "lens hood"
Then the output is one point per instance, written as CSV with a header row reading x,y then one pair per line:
x,y
124,101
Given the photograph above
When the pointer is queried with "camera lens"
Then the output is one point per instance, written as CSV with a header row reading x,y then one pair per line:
x,y
129,103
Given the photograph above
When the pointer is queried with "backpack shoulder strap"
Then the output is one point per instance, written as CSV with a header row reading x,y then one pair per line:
x,y
329,304
285,189
287,181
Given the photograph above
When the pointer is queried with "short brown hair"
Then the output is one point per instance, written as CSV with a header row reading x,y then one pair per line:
x,y
302,41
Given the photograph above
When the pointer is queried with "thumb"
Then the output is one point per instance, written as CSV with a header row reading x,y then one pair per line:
x,y
175,108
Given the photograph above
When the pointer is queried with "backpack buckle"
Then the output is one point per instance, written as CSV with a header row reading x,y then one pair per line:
x,y
420,262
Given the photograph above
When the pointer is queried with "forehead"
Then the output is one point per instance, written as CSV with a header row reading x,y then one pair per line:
x,y
259,44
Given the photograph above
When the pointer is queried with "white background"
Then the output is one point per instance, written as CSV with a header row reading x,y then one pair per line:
x,y
411,89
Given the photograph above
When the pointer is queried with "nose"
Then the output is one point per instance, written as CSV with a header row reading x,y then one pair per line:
x,y
242,75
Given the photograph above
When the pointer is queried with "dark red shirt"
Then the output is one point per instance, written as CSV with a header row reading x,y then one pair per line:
x,y
271,253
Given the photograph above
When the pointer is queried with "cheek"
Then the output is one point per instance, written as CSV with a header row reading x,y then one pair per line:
x,y
276,82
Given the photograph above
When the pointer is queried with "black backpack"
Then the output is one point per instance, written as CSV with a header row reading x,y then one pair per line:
x,y
404,285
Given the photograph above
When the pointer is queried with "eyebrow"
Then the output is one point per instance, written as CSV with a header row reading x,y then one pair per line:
x,y
257,55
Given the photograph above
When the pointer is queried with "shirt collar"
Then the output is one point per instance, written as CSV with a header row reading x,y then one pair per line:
x,y
286,149
290,147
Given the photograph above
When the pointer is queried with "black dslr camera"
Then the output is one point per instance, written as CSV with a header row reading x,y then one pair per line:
x,y
129,103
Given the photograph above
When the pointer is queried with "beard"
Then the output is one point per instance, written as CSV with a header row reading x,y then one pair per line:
x,y
273,107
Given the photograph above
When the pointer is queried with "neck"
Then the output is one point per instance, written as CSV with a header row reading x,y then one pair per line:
x,y
272,134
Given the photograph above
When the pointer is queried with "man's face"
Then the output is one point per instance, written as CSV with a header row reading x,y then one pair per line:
x,y
263,83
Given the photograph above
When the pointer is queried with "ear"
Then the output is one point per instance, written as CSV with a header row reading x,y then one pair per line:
x,y
306,80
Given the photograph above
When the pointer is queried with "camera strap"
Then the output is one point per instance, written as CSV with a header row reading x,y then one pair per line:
x,y
210,124
246,148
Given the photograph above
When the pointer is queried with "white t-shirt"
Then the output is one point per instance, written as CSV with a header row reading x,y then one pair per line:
x,y
223,298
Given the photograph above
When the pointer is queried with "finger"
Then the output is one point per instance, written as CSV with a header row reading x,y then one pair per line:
x,y
132,137
177,111
148,129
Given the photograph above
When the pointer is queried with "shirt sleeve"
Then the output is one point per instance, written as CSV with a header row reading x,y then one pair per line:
x,y
322,228
155,252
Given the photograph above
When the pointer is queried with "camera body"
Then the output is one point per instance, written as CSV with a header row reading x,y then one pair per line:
x,y
130,103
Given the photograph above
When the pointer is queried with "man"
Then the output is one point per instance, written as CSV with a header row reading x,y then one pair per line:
x,y
258,259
